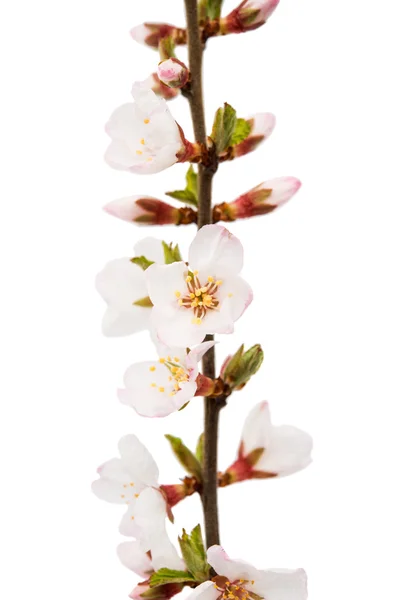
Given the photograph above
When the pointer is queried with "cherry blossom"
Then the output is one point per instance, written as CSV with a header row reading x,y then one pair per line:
x,y
238,580
122,285
132,480
267,450
207,298
158,388
144,136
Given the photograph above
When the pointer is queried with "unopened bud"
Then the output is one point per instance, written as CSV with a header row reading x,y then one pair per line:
x,y
261,127
173,73
150,34
249,15
159,88
260,200
242,366
143,210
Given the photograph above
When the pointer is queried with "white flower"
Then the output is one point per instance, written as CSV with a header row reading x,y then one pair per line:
x,y
158,388
145,137
208,299
122,285
132,480
151,517
237,580
286,449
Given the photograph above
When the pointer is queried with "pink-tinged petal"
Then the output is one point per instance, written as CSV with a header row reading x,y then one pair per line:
x,y
197,353
204,591
134,558
232,569
119,156
173,73
112,479
237,295
141,588
283,189
281,584
216,252
140,33
165,282
138,460
142,210
151,248
151,514
263,124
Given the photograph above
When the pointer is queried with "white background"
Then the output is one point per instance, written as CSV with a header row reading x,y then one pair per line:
x,y
324,271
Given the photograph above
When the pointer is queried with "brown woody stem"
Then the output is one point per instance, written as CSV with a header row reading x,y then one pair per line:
x,y
207,169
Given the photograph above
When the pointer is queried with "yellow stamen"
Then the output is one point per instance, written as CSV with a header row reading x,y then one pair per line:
x,y
196,321
191,295
177,294
230,295
142,142
176,359
162,360
219,282
180,302
210,279
161,389
152,368
122,495
188,279
146,121
139,152
153,385
131,484
195,272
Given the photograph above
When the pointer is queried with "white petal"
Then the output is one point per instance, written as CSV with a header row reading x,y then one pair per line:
x,y
117,324
138,460
110,485
126,208
197,353
204,591
216,252
232,569
119,156
289,451
281,584
283,188
121,283
175,328
237,295
128,525
151,248
134,558
257,428
151,513
162,283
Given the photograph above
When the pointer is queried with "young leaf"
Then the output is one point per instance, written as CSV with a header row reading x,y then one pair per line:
x,y
186,458
142,261
241,132
189,194
163,576
234,364
194,554
224,127
171,253
166,48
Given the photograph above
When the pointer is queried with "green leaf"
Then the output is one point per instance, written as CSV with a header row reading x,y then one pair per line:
x,y
224,127
213,8
163,576
189,194
142,261
241,132
171,253
234,364
186,458
194,554
200,449
143,302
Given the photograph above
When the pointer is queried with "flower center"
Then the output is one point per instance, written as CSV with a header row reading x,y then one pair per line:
x,y
178,374
200,298
231,590
127,493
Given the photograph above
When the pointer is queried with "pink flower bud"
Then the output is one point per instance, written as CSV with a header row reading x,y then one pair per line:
x,y
150,34
143,210
249,15
159,88
173,73
261,200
